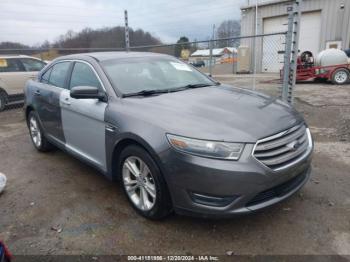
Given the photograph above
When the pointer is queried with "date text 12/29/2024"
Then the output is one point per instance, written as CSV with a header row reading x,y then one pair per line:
x,y
173,258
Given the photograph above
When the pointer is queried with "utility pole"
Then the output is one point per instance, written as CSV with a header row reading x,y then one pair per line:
x,y
211,52
255,47
295,53
291,52
127,41
213,35
288,53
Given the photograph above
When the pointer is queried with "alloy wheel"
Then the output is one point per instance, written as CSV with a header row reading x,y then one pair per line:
x,y
139,183
35,131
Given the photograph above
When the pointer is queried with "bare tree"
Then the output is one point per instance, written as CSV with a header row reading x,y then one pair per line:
x,y
228,28
108,37
45,45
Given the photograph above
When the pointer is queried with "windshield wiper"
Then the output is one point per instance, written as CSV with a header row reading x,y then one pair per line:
x,y
146,93
162,91
196,85
189,86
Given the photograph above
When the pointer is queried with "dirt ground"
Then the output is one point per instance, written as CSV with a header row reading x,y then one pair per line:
x,y
54,204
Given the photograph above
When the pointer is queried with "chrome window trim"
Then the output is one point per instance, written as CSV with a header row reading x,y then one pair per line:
x,y
47,69
301,158
79,61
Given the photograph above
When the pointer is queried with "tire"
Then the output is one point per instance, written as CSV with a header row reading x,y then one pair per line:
x,y
147,193
341,76
3,100
36,133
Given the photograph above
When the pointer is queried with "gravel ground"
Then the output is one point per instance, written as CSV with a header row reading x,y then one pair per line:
x,y
54,204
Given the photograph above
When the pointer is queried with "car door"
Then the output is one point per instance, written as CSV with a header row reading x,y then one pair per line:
x,y
12,75
83,119
32,67
47,99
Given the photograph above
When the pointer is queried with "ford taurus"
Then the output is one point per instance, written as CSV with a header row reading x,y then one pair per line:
x,y
176,139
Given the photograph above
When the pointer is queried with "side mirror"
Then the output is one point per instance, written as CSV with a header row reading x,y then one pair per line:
x,y
87,92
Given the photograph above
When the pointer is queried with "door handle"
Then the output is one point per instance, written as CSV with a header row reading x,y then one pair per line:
x,y
110,128
37,93
66,103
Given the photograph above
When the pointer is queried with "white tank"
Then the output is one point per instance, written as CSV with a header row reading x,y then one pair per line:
x,y
331,57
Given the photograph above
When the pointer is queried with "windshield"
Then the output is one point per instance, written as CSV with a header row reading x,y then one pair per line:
x,y
133,75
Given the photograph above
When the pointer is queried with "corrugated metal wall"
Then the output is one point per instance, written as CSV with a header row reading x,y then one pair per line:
x,y
335,21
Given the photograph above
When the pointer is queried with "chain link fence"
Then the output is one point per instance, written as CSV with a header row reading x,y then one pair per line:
x,y
252,62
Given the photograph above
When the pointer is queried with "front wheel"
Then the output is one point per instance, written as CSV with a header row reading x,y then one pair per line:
x,y
36,133
341,76
143,183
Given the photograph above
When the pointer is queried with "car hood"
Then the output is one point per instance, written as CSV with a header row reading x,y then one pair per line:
x,y
222,113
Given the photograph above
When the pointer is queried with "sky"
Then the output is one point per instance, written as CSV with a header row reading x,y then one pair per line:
x,y
32,22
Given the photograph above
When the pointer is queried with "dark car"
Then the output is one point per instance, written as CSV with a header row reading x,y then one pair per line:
x,y
198,63
175,138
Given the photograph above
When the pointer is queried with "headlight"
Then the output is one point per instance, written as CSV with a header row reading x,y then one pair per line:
x,y
205,148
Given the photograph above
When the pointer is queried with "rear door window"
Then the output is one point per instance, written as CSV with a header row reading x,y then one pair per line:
x,y
32,65
10,65
59,74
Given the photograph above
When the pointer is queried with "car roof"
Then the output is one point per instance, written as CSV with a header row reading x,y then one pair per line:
x,y
17,56
103,56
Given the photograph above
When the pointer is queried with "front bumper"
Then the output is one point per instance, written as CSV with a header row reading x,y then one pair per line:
x,y
219,188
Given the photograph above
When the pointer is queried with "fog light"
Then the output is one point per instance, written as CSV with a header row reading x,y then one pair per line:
x,y
214,201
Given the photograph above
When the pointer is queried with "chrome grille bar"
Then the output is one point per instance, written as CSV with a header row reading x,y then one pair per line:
x,y
282,140
284,149
285,157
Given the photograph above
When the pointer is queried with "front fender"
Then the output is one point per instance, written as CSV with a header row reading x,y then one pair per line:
x,y
114,145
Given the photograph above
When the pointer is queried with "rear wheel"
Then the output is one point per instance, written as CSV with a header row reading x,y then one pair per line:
x,y
3,100
36,133
341,76
143,183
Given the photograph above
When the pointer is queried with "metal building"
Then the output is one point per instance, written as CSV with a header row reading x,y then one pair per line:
x,y
324,24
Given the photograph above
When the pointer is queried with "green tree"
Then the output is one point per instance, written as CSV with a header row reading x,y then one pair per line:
x,y
183,44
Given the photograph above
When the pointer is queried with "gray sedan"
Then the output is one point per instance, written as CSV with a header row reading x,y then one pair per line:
x,y
176,139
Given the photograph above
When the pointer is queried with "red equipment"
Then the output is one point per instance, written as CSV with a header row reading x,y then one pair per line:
x,y
306,70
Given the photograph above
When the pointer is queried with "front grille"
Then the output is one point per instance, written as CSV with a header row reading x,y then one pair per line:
x,y
283,149
277,191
